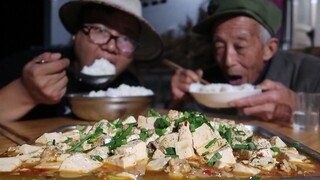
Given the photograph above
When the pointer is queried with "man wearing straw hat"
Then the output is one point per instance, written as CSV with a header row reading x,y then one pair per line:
x,y
111,29
246,51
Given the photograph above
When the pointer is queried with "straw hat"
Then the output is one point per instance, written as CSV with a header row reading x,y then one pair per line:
x,y
151,46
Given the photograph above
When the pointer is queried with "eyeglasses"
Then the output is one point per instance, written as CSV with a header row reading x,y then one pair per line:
x,y
101,36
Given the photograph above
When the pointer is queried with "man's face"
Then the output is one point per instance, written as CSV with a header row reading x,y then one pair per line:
x,y
238,49
115,23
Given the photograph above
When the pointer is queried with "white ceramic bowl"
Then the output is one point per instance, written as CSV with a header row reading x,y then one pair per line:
x,y
221,99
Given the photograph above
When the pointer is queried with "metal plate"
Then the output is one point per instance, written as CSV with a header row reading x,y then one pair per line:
x,y
259,130
268,133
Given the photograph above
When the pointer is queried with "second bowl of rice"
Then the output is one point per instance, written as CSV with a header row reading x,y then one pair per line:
x,y
111,104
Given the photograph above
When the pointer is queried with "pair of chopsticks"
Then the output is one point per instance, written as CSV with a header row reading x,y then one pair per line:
x,y
175,66
13,136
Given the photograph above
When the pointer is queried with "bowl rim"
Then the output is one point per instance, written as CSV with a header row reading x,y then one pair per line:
x,y
224,92
85,96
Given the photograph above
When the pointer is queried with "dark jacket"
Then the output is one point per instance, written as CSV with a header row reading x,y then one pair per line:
x,y
11,69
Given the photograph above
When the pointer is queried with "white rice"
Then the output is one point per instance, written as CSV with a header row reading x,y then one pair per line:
x,y
99,67
122,90
219,87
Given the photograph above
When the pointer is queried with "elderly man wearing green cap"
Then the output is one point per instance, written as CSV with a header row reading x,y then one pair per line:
x,y
247,51
101,29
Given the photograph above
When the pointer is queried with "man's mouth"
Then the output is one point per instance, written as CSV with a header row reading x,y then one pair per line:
x,y
235,79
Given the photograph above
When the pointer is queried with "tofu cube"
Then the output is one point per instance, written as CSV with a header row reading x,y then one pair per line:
x,y
158,164
138,148
8,164
79,163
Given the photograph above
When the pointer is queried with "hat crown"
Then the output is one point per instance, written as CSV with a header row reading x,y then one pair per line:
x,y
130,6
263,11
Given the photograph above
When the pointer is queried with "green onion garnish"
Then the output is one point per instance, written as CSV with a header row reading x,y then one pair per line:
x,y
211,142
275,149
214,159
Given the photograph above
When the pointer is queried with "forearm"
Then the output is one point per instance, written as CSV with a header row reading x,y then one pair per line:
x,y
15,101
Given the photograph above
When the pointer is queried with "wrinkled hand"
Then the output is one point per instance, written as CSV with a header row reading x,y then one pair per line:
x,y
46,82
181,81
275,103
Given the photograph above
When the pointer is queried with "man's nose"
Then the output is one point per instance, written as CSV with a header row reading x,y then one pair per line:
x,y
230,56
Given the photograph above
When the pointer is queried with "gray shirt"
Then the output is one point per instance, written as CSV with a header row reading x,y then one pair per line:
x,y
299,72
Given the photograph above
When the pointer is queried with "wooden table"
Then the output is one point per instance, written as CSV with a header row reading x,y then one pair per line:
x,y
31,129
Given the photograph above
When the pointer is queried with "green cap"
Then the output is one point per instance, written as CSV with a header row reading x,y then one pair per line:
x,y
263,11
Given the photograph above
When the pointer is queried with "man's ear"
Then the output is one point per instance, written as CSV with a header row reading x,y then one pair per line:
x,y
270,48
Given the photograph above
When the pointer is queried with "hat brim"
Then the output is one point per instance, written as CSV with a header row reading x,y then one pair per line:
x,y
150,44
205,26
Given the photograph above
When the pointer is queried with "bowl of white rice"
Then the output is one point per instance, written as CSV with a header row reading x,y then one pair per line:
x,y
218,95
111,104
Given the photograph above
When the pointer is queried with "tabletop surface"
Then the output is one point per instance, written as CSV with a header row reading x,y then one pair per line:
x,y
28,130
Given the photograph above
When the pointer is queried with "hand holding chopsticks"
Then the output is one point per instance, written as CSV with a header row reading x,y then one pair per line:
x,y
175,66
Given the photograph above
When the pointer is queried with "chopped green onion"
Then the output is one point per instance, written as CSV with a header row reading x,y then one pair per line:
x,y
238,139
92,139
240,132
249,139
205,153
211,142
214,159
228,135
96,158
251,146
152,113
80,128
117,123
133,124
78,147
119,139
193,166
195,119
240,146
161,123
170,151
99,124
275,149
143,134
68,140
192,127
173,156
221,128
161,132
255,178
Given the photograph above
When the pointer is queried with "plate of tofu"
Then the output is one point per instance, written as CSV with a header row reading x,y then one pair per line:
x,y
172,145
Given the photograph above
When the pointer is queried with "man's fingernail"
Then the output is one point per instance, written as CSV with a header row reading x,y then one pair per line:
x,y
55,55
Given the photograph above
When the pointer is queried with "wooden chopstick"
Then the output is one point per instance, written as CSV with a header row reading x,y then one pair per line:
x,y
175,66
13,136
